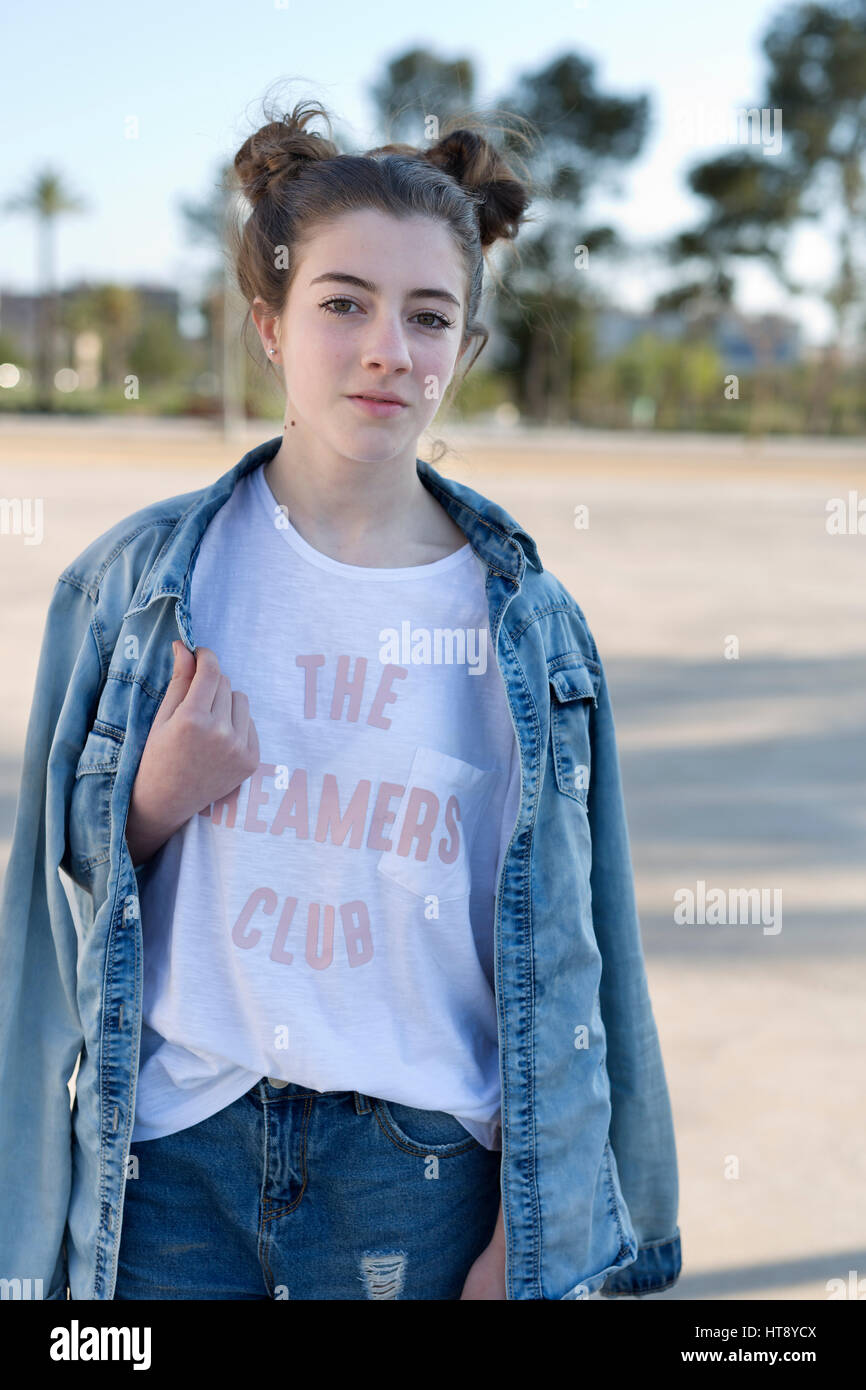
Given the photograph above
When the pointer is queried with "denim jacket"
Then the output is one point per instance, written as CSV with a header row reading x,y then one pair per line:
x,y
589,1167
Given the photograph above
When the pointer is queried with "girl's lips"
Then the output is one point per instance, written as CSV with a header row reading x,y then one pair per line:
x,y
381,408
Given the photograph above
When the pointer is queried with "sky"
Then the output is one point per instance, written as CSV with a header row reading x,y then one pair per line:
x,y
190,78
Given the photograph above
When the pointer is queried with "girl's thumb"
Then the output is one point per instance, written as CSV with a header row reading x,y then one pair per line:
x,y
178,686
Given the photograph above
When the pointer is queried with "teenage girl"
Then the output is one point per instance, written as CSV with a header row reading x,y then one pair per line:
x,y
319,1014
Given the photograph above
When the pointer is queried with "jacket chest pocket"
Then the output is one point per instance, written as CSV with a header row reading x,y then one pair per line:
x,y
88,831
574,684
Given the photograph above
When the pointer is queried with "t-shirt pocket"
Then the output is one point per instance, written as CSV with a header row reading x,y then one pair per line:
x,y
436,823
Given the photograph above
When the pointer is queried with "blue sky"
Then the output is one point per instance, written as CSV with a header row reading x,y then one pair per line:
x,y
194,76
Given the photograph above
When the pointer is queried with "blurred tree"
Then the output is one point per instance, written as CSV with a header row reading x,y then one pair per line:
x,y
817,78
817,57
678,376
114,312
581,134
752,200
221,303
48,199
586,136
816,81
12,351
416,86
157,353
204,228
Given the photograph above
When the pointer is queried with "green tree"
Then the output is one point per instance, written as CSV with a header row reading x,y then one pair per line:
x,y
565,134
756,199
417,86
114,312
157,352
208,224
586,136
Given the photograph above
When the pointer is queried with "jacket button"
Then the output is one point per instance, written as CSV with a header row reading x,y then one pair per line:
x,y
275,1081
130,909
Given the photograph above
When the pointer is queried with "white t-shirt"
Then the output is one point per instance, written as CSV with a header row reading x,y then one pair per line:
x,y
330,923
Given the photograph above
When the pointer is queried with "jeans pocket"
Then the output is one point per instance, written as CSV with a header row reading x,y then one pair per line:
x,y
423,1132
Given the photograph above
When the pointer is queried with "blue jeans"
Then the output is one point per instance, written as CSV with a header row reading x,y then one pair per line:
x,y
300,1194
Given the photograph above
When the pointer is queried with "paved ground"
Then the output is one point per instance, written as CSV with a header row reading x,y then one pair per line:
x,y
746,773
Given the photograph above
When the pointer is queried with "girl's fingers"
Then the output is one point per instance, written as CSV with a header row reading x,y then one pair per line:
x,y
253,743
240,714
221,709
205,683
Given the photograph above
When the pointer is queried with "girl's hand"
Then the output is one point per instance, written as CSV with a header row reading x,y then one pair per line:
x,y
202,745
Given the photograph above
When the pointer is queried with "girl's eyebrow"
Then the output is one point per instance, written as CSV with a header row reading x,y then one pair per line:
x,y
368,285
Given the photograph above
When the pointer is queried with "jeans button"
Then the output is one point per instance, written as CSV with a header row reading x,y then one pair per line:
x,y
275,1081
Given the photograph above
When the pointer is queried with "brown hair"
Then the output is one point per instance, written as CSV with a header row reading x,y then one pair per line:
x,y
297,180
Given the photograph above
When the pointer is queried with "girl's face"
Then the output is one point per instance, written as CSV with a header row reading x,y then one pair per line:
x,y
400,332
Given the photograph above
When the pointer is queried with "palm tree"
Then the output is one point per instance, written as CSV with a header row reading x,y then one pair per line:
x,y
208,222
47,198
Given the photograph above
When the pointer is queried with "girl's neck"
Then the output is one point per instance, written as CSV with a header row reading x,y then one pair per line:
x,y
377,515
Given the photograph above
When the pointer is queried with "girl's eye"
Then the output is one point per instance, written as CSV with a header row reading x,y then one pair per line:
x,y
441,321
340,313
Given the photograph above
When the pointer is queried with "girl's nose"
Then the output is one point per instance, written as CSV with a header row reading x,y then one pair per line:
x,y
386,347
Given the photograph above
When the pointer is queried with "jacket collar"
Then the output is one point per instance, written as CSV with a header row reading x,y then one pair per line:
x,y
490,530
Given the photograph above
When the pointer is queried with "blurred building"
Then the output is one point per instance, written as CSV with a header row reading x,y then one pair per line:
x,y
19,312
743,340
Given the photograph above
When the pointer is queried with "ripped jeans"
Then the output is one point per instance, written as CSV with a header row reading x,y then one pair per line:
x,y
290,1193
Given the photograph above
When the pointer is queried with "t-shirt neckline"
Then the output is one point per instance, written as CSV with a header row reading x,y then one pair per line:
x,y
327,562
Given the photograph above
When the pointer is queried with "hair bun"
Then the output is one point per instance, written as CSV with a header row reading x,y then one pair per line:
x,y
279,151
481,170
462,155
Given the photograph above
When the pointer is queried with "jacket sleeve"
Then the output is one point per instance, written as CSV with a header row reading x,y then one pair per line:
x,y
40,1029
641,1129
